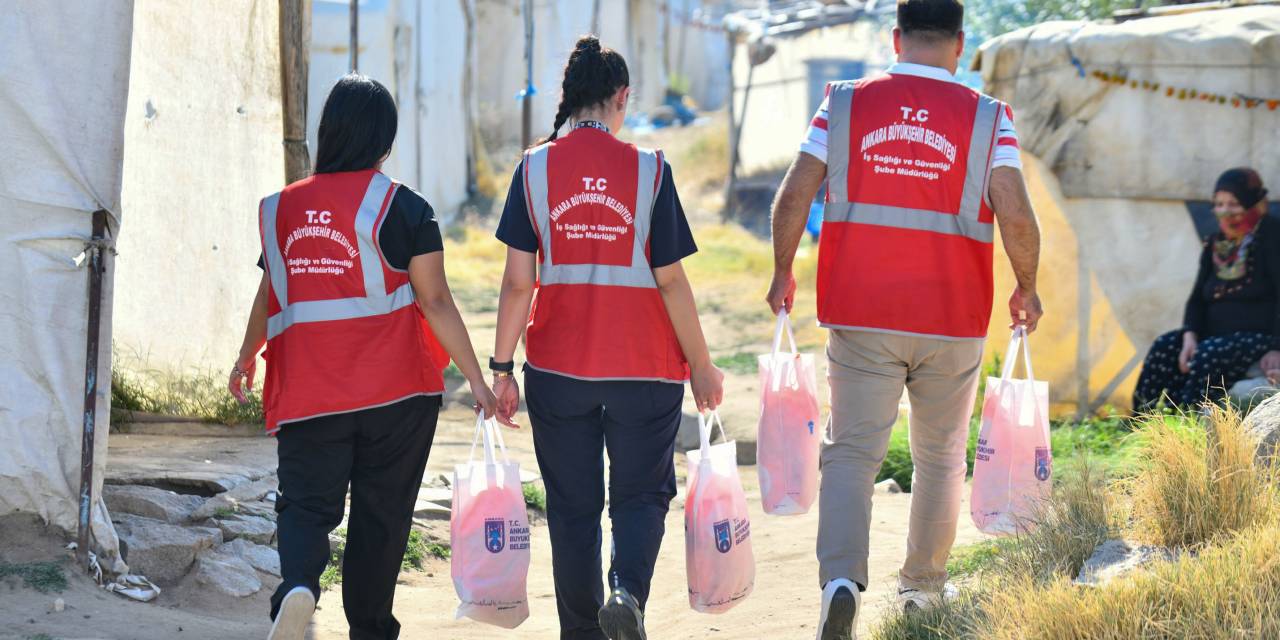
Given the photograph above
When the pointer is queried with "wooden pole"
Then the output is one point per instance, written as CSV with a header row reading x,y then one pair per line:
x,y
355,35
295,42
89,424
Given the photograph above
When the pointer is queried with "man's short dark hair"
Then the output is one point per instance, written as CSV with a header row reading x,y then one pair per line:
x,y
931,19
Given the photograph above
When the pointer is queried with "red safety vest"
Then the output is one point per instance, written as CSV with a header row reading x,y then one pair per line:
x,y
343,330
597,312
907,228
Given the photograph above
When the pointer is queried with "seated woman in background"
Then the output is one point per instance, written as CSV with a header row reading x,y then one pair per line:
x,y
1232,318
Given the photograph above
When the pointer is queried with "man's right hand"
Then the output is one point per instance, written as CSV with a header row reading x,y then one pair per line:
x,y
782,291
1025,309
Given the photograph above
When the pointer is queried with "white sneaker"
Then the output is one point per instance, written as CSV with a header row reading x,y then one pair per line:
x,y
841,604
916,600
294,615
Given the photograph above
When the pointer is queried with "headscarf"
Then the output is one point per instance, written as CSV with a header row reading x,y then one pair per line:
x,y
1230,252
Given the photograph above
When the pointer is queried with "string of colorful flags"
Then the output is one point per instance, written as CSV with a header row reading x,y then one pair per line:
x,y
1184,93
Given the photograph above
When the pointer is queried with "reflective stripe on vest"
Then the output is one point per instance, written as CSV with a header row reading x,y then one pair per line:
x,y
638,273
965,223
376,300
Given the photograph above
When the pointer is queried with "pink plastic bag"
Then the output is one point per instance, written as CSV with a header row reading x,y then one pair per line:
x,y
788,439
1013,463
489,531
717,531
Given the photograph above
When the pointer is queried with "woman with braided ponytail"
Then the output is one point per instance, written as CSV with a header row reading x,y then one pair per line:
x,y
609,345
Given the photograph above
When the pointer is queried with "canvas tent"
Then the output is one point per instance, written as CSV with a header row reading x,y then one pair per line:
x,y
633,27
811,45
418,50
64,75
202,146
1124,128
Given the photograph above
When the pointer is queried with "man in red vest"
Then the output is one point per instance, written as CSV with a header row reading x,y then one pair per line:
x,y
919,168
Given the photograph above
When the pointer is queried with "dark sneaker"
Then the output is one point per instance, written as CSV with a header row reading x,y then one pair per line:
x,y
621,618
841,601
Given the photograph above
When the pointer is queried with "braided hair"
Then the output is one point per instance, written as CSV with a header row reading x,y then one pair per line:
x,y
591,76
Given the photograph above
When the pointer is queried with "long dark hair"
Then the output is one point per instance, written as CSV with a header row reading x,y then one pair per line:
x,y
357,126
591,76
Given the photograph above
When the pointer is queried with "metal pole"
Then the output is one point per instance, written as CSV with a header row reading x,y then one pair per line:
x,y
355,35
526,113
96,270
733,134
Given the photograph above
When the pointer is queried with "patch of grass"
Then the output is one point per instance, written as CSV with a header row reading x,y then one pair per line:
x,y
969,559
1198,484
952,620
1226,591
704,162
1079,516
201,395
534,496
224,512
415,552
332,575
1198,489
741,362
45,577
452,372
40,636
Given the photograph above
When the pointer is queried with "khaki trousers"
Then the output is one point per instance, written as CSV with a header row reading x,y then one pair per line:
x,y
867,372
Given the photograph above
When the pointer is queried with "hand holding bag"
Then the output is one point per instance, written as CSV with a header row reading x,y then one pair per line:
x,y
489,532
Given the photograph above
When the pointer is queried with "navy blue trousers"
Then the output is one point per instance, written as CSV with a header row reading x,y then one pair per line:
x,y
574,423
1219,362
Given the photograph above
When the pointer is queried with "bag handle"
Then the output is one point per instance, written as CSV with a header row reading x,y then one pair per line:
x,y
784,323
1019,339
705,425
488,431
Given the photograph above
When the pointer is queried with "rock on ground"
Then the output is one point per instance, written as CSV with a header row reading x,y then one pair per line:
x,y
888,486
1263,424
1115,558
264,559
251,528
150,502
227,574
161,551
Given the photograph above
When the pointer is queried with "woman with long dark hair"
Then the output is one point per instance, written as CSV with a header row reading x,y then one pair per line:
x,y
610,342
359,324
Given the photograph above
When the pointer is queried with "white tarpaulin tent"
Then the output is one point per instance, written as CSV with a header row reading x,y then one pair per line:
x,y
1123,145
633,27
64,76
417,49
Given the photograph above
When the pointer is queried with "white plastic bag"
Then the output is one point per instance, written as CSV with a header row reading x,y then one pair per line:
x,y
1013,462
489,532
788,439
717,531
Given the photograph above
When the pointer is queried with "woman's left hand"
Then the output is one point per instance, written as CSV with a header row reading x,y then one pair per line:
x,y
241,381
1270,361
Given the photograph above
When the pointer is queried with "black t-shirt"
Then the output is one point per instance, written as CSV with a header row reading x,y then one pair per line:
x,y
410,229
670,239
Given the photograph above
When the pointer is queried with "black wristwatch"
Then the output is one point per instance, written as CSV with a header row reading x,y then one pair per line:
x,y
501,367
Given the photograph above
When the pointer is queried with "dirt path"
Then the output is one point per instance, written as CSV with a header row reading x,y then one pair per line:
x,y
784,604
